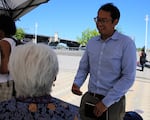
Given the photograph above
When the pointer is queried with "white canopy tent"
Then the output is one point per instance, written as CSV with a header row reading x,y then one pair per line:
x,y
18,8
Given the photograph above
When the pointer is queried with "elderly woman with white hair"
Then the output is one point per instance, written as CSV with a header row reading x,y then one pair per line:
x,y
34,68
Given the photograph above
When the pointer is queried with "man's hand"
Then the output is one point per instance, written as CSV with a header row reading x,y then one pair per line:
x,y
76,90
99,109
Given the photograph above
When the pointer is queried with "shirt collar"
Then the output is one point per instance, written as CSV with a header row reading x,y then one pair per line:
x,y
113,37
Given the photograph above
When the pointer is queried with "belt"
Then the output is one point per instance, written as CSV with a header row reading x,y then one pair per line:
x,y
97,95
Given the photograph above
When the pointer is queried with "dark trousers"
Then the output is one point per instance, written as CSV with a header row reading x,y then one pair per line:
x,y
142,67
114,112
142,62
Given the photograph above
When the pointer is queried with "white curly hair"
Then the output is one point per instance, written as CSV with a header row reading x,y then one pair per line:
x,y
33,67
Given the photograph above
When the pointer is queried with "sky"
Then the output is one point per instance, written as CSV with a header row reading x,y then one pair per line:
x,y
69,18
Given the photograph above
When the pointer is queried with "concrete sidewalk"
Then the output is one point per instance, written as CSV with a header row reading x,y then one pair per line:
x,y
138,96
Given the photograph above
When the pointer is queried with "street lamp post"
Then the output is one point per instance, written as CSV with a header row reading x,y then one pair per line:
x,y
146,19
36,26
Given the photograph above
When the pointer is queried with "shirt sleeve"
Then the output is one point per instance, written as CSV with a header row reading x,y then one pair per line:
x,y
83,70
127,75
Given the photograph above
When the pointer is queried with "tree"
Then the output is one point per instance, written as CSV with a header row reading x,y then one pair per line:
x,y
20,34
86,35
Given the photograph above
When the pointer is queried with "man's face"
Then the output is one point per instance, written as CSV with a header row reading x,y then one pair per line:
x,y
104,24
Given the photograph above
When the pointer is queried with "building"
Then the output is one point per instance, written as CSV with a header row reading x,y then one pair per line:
x,y
51,40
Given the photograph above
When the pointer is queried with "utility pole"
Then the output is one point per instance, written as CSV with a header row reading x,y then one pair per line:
x,y
36,26
146,19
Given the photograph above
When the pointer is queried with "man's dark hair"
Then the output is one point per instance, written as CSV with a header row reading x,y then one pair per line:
x,y
7,25
114,11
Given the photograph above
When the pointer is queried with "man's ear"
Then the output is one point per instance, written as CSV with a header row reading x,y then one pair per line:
x,y
115,22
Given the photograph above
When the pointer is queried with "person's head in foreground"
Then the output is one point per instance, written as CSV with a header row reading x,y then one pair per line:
x,y
34,68
7,26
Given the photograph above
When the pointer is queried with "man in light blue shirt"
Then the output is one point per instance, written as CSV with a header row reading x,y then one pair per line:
x,y
110,60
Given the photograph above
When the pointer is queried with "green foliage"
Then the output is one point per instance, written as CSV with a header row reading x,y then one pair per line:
x,y
86,35
20,34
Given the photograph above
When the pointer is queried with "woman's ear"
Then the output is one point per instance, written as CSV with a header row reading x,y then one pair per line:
x,y
54,81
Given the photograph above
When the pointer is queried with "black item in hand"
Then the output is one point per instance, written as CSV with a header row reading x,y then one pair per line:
x,y
89,111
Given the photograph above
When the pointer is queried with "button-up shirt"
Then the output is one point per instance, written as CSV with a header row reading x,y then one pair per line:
x,y
111,64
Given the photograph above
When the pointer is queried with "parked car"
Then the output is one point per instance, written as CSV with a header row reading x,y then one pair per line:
x,y
147,64
82,47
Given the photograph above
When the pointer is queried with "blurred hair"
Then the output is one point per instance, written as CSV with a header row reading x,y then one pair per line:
x,y
7,25
114,11
33,67
143,49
